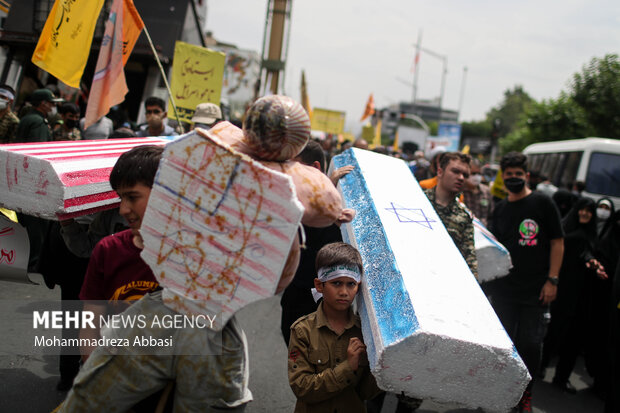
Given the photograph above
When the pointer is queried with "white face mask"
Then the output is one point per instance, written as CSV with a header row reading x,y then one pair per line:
x,y
603,213
3,104
475,179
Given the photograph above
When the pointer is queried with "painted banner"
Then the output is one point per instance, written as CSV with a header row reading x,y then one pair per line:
x,y
241,75
330,121
66,38
197,75
109,87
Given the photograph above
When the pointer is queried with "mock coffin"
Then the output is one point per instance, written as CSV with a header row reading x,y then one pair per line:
x,y
63,179
218,227
430,331
493,258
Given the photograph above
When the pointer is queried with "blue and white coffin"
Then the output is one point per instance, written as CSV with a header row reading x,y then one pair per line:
x,y
429,329
493,258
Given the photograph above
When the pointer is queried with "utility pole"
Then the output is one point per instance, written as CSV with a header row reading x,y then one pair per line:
x,y
444,73
462,90
278,16
416,63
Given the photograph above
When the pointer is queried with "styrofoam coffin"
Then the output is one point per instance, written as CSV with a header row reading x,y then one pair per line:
x,y
63,179
430,331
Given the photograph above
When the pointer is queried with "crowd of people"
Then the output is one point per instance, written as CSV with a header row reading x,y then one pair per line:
x,y
564,248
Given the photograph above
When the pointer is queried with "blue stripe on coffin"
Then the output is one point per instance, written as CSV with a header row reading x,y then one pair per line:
x,y
385,283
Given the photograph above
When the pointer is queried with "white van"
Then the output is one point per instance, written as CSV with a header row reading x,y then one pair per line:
x,y
595,161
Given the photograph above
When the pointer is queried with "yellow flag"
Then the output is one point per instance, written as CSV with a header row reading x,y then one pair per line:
x,y
368,132
466,149
377,141
497,189
66,39
395,146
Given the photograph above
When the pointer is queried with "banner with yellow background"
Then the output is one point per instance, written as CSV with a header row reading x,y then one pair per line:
x,y
330,121
197,75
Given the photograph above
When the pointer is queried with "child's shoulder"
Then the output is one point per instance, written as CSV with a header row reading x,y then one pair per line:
x,y
119,240
306,321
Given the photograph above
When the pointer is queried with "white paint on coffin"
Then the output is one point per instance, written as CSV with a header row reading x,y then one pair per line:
x,y
461,313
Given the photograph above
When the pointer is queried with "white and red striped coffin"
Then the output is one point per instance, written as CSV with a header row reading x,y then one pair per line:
x,y
59,180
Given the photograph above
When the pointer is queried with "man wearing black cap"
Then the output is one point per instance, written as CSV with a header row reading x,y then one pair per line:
x,y
8,119
34,127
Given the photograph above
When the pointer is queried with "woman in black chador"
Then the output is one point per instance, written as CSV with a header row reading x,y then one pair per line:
x,y
569,311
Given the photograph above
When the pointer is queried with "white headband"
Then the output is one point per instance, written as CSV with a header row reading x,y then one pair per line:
x,y
7,94
337,271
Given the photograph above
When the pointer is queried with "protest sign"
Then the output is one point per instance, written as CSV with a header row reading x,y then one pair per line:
x,y
197,75
330,121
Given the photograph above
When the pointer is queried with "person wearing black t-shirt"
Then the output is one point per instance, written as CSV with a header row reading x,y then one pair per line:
x,y
528,224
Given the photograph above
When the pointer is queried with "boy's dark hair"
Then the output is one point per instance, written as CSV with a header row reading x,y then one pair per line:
x,y
513,160
446,157
136,166
121,133
312,152
338,253
155,101
69,107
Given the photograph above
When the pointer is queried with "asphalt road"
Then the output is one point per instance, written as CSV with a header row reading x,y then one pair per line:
x,y
28,383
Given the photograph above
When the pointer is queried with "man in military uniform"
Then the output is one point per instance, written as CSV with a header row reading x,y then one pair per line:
x,y
453,171
8,120
34,126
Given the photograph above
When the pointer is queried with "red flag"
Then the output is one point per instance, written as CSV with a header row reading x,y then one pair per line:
x,y
370,108
416,60
109,86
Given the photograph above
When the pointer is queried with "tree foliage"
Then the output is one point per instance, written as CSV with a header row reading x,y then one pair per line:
x,y
590,107
597,92
507,115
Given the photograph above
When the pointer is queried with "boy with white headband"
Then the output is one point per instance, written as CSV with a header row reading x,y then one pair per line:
x,y
327,366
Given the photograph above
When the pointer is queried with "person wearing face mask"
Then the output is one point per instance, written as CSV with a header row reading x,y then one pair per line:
x,y
569,313
155,109
34,126
604,209
528,224
67,129
8,119
477,196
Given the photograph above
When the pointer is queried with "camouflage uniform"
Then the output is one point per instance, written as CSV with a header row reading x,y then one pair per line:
x,y
458,222
62,134
8,126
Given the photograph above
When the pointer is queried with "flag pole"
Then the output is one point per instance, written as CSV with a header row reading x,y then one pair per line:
x,y
163,75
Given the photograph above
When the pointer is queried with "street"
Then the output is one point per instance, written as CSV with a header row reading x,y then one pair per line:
x,y
28,383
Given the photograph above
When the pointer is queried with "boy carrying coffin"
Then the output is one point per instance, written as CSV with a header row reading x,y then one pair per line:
x,y
327,366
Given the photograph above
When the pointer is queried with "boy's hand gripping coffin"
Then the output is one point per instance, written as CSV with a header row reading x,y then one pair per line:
x,y
64,179
218,227
430,331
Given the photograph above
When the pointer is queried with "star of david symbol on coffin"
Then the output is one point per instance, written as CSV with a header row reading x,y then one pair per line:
x,y
415,215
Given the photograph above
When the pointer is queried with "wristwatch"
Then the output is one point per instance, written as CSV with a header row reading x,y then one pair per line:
x,y
553,280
